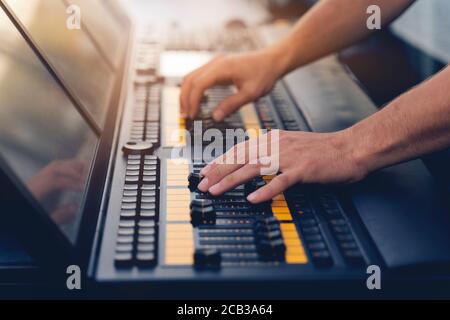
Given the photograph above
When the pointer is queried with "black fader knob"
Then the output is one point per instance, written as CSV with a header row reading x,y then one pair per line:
x,y
207,259
266,224
254,185
269,240
194,180
272,250
268,235
201,203
205,99
265,206
202,212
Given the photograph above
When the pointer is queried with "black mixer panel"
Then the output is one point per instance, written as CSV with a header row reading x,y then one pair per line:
x,y
212,232
166,225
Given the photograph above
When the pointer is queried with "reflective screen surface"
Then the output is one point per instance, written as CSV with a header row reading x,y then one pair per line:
x,y
103,27
43,138
74,54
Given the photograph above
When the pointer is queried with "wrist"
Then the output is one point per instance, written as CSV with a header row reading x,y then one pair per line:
x,y
370,149
279,59
357,150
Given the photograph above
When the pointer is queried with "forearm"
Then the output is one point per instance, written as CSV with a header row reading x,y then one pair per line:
x,y
414,124
328,27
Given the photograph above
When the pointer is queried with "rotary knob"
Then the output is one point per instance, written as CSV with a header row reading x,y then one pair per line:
x,y
135,148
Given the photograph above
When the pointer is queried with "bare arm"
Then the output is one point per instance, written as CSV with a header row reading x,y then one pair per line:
x,y
414,124
329,26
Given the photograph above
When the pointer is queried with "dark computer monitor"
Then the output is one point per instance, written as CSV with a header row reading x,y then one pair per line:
x,y
43,138
49,150
78,55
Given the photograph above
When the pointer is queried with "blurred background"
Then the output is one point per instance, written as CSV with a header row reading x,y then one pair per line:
x,y
200,12
426,25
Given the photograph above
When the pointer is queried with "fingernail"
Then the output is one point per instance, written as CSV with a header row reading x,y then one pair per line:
x,y
215,189
218,115
203,186
253,197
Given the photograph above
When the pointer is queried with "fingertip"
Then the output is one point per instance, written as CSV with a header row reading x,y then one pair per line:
x,y
192,110
218,115
183,102
254,197
190,114
204,184
215,190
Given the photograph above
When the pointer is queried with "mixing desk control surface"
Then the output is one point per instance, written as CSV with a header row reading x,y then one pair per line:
x,y
167,229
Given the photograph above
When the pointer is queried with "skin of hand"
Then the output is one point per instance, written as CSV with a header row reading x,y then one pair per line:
x,y
416,123
387,137
303,158
253,74
328,27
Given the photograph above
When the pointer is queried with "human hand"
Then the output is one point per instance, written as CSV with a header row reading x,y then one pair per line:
x,y
254,75
304,157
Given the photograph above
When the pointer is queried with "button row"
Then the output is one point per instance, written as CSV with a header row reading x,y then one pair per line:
x,y
341,229
310,228
136,243
285,109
